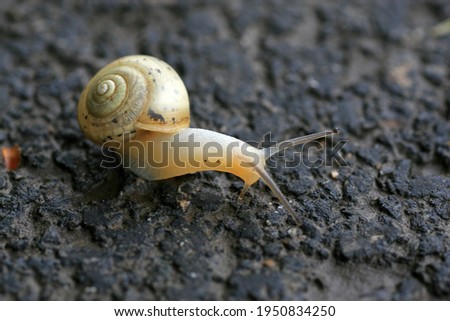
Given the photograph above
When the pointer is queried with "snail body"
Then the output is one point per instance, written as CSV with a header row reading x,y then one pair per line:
x,y
190,150
139,106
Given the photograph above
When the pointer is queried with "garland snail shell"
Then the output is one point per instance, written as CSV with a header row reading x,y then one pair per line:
x,y
134,92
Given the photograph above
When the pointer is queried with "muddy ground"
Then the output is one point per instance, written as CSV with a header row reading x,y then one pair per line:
x,y
376,229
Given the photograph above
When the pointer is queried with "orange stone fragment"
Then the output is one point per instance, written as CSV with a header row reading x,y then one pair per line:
x,y
11,157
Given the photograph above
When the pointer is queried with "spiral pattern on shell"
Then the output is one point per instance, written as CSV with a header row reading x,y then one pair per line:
x,y
133,93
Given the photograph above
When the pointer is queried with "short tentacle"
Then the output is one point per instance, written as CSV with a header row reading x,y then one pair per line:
x,y
267,179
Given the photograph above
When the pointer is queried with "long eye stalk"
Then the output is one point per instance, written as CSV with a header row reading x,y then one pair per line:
x,y
269,151
272,150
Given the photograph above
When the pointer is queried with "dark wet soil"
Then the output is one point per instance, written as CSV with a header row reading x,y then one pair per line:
x,y
376,229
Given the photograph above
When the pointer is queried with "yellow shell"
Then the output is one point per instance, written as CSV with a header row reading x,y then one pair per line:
x,y
132,93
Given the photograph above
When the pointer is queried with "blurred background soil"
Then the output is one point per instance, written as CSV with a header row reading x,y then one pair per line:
x,y
377,229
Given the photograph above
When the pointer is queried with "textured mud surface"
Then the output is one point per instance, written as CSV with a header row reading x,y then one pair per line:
x,y
379,230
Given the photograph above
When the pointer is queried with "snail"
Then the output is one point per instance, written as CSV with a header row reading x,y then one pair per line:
x,y
139,105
